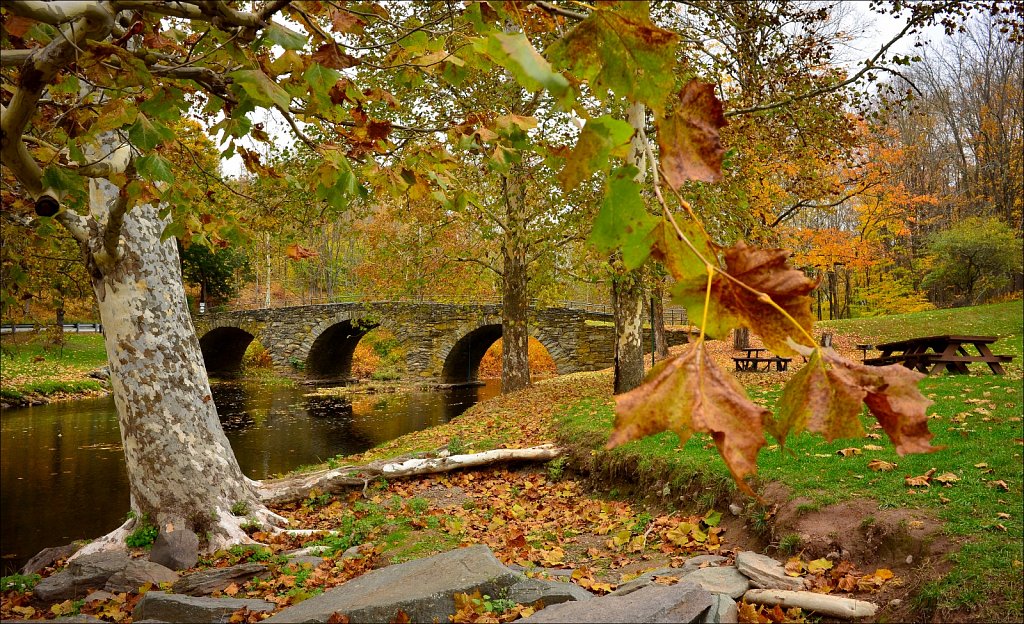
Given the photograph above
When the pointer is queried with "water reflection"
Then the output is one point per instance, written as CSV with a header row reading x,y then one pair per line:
x,y
62,469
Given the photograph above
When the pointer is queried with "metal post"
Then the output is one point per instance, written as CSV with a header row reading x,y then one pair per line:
x,y
654,341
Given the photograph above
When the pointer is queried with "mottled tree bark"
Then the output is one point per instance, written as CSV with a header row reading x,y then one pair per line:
x,y
657,301
627,286
515,303
181,469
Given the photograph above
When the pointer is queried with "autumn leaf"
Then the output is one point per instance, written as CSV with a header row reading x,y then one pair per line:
x,y
681,261
819,565
330,55
880,465
298,252
847,452
623,221
598,141
947,478
921,480
892,396
689,393
688,136
621,51
755,274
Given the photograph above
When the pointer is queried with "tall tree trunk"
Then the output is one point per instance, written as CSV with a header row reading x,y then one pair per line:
x,y
657,300
515,305
627,286
181,469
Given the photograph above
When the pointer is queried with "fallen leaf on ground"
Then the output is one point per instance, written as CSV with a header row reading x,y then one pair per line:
x,y
880,465
947,477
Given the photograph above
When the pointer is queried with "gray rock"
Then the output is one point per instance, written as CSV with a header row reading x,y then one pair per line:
x,y
177,549
694,563
765,572
682,602
723,611
100,595
81,618
530,591
423,589
47,556
645,580
103,374
723,580
82,575
157,605
554,572
205,582
137,573
305,560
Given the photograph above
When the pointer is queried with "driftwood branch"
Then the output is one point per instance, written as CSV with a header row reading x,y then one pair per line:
x,y
277,491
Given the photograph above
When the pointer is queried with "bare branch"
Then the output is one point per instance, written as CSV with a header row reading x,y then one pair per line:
x,y
54,13
554,9
13,58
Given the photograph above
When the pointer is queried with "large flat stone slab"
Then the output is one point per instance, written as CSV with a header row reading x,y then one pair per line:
x,y
683,603
531,591
82,576
723,580
765,572
205,582
423,589
164,607
137,573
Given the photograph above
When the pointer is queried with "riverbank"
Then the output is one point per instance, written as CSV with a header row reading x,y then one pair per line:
x,y
35,371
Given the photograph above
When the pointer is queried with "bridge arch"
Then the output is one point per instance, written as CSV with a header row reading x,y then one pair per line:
x,y
462,352
223,347
333,342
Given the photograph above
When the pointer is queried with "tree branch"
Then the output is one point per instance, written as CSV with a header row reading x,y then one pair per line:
x,y
36,75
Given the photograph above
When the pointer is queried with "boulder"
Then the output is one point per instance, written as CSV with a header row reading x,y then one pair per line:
x,y
723,580
82,575
303,561
647,578
531,591
177,548
423,589
81,618
100,595
683,602
137,573
48,556
205,582
722,611
765,572
157,605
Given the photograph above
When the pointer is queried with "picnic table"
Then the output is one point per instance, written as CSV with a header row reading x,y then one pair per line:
x,y
752,361
934,354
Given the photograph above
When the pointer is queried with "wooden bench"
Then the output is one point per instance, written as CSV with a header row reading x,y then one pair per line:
x,y
752,364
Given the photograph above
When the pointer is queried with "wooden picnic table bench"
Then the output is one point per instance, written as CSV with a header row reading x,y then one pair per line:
x,y
752,361
935,354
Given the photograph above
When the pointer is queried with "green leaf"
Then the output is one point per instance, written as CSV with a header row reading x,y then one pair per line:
x,y
623,51
165,104
713,518
154,168
623,221
676,255
114,114
336,182
62,180
284,37
515,53
261,88
321,78
146,135
598,141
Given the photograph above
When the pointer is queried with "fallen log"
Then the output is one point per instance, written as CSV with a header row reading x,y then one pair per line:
x,y
846,608
277,491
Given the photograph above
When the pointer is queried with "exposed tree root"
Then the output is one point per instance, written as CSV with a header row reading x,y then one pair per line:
x,y
278,491
226,529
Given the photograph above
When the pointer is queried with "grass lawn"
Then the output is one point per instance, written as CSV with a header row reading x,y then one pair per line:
x,y
976,418
30,365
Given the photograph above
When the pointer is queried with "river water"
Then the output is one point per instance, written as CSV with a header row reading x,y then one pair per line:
x,y
62,469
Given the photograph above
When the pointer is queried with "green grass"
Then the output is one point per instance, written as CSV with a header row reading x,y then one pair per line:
x,y
30,365
977,418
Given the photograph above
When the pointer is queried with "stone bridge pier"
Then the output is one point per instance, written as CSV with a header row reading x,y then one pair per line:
x,y
442,343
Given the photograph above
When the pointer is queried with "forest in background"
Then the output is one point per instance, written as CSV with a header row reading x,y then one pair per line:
x,y
899,197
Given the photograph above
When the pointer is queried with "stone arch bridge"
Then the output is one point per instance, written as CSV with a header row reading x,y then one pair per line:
x,y
442,343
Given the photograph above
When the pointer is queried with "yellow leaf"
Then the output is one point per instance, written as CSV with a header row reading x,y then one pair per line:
x,y
819,565
847,452
947,477
884,574
873,447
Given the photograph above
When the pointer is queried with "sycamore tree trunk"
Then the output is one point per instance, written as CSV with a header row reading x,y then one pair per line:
x,y
627,286
181,469
515,304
